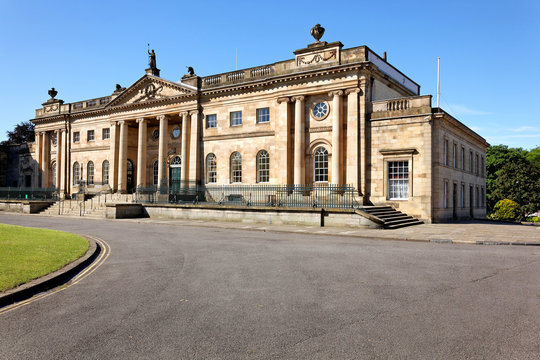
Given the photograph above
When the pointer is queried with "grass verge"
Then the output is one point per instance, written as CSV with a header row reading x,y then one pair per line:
x,y
28,253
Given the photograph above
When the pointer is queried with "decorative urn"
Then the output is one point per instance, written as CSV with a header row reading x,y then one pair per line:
x,y
317,32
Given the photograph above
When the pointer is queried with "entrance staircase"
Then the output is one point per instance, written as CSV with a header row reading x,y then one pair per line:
x,y
93,207
392,218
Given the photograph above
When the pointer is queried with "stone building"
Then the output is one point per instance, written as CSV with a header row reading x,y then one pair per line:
x,y
330,115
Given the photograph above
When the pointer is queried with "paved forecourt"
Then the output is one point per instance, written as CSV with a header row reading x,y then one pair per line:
x,y
172,291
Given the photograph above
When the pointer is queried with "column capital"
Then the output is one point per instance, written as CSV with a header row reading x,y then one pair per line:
x,y
335,93
162,117
121,122
285,99
193,112
353,90
298,98
183,114
140,120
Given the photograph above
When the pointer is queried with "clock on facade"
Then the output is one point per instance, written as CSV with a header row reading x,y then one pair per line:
x,y
176,132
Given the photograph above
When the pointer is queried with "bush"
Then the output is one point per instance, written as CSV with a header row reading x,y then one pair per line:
x,y
533,219
506,210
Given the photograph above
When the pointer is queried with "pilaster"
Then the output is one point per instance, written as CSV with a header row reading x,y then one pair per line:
x,y
337,103
194,146
162,150
37,177
113,158
299,140
141,153
45,148
63,161
122,157
184,172
352,140
283,164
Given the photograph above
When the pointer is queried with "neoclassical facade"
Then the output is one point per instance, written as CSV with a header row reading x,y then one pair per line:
x,y
330,115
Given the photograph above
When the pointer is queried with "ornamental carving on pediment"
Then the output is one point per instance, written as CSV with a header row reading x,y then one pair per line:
x,y
50,108
150,91
317,58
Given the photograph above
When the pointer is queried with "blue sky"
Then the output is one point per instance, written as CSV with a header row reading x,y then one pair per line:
x,y
489,50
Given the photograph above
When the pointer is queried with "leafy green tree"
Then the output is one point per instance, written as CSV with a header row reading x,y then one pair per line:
x,y
23,132
513,173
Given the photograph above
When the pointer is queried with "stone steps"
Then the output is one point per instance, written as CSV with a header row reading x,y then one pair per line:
x,y
392,218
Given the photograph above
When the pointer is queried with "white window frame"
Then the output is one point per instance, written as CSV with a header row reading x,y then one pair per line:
x,y
76,136
263,115
236,168
90,172
321,160
235,118
211,168
90,135
263,167
105,167
211,121
106,133
398,179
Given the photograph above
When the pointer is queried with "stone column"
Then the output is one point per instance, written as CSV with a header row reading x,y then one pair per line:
x,y
282,166
352,142
163,149
45,148
299,138
113,154
194,146
141,153
336,136
184,174
122,157
37,181
364,156
59,145
63,162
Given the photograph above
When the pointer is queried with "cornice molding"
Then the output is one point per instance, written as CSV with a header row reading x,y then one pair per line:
x,y
239,136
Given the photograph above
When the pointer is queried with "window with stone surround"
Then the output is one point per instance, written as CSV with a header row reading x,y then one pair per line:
x,y
211,169
155,169
90,135
90,173
236,118
106,133
454,155
445,195
263,167
445,154
211,121
76,137
76,173
105,172
470,161
462,158
320,164
398,180
462,196
263,115
236,167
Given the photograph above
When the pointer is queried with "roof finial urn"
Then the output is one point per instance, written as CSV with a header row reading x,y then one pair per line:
x,y
52,93
317,32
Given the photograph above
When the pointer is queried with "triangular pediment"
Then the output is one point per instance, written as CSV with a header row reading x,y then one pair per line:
x,y
149,88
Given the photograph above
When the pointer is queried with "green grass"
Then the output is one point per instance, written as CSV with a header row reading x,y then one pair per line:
x,y
28,253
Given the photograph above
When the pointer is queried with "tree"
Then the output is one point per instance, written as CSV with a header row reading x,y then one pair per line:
x,y
506,210
513,173
23,132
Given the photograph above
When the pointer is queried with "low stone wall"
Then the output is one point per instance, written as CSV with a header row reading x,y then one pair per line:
x,y
263,215
24,206
124,211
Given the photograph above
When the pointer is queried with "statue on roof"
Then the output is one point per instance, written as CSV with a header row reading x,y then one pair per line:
x,y
190,70
152,59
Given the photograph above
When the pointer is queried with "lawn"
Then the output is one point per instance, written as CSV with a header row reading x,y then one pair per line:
x,y
28,253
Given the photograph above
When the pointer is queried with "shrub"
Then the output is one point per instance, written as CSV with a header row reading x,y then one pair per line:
x,y
506,210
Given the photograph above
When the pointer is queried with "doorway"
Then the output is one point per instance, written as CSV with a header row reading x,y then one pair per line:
x,y
175,171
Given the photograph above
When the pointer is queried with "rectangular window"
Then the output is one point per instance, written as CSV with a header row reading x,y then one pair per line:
x,y
476,165
463,158
211,121
462,196
454,156
104,100
77,106
90,135
477,198
398,180
445,198
482,166
263,115
76,137
236,118
470,161
445,160
483,198
106,133
91,103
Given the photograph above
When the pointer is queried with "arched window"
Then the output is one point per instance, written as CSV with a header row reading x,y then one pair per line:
x,y
320,165
236,167
52,174
211,173
263,167
76,173
90,173
155,173
176,161
105,172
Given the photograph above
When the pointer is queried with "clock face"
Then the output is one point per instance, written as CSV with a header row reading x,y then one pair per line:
x,y
320,111
155,134
176,132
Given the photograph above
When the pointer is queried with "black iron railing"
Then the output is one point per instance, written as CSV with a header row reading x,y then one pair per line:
x,y
303,196
28,193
